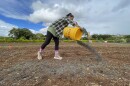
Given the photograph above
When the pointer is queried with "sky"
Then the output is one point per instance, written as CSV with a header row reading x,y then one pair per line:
x,y
97,16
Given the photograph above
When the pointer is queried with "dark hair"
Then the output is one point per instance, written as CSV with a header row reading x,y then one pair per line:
x,y
70,14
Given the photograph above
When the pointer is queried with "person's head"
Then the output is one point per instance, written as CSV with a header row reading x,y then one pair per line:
x,y
70,16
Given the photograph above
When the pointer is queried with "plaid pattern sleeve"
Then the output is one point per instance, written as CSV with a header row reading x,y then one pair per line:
x,y
60,24
70,21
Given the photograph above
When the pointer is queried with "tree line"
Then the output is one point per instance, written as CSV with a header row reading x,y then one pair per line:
x,y
25,34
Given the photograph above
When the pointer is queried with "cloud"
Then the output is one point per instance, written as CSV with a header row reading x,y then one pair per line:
x,y
122,4
42,30
45,13
17,9
97,16
5,28
33,31
50,11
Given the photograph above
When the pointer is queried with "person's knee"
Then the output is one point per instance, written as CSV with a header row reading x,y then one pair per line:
x,y
47,43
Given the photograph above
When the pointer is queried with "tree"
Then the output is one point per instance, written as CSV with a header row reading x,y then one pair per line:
x,y
40,36
25,33
95,36
101,36
21,33
127,36
14,33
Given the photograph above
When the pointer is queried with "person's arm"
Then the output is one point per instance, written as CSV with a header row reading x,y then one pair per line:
x,y
76,24
84,30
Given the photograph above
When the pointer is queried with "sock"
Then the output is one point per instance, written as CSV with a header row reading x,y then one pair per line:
x,y
56,53
41,50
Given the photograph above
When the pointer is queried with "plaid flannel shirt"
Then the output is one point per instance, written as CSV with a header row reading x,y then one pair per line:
x,y
60,24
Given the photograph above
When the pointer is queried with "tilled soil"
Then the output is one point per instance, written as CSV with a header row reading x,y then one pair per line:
x,y
79,67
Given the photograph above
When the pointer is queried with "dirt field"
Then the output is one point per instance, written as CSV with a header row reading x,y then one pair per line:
x,y
79,67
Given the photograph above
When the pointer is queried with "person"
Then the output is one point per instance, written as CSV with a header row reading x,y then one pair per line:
x,y
55,31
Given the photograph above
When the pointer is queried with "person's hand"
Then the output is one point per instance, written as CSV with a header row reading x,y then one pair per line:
x,y
84,30
76,25
87,35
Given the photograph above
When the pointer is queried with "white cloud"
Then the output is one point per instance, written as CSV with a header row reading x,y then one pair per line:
x,y
33,31
5,28
42,30
45,13
97,16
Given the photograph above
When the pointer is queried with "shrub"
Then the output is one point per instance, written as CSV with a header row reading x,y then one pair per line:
x,y
128,40
111,41
120,40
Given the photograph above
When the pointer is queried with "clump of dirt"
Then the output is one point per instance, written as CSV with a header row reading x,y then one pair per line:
x,y
20,67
